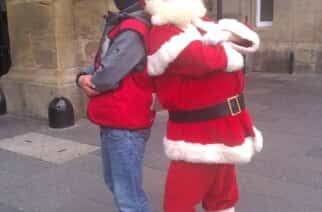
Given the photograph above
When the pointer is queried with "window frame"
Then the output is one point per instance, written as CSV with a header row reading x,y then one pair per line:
x,y
260,23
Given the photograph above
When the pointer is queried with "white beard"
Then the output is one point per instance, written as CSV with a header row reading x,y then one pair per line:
x,y
177,12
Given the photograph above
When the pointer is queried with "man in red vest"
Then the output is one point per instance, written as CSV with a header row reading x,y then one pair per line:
x,y
197,66
120,102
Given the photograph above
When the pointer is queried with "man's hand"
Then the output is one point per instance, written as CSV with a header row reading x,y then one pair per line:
x,y
85,82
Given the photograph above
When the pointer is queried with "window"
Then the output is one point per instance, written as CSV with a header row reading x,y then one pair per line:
x,y
265,13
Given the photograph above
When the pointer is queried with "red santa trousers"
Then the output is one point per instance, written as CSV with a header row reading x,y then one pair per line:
x,y
188,184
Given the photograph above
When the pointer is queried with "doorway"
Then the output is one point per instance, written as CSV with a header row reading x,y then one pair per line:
x,y
5,58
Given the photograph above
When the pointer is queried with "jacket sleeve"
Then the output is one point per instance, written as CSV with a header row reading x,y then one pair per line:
x,y
88,70
196,59
126,52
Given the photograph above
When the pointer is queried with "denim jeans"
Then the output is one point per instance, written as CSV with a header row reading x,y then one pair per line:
x,y
122,154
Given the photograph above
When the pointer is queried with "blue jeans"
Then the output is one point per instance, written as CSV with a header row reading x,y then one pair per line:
x,y
122,154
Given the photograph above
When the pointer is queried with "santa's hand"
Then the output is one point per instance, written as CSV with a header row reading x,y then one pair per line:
x,y
214,38
248,41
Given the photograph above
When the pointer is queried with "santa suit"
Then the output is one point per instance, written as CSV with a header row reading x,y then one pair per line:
x,y
195,71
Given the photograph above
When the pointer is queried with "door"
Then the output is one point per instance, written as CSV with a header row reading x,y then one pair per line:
x,y
5,59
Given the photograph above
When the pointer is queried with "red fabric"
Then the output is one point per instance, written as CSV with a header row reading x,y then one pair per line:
x,y
197,79
189,184
128,106
196,59
142,2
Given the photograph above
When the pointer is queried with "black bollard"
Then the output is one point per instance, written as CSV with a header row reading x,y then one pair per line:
x,y
3,105
61,113
291,63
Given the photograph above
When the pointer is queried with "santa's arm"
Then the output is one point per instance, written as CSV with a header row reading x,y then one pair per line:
x,y
187,54
241,37
247,40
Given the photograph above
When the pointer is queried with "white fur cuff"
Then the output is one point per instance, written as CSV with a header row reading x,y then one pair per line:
x,y
243,31
215,38
235,60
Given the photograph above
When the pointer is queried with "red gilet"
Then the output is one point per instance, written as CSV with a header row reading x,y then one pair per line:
x,y
129,105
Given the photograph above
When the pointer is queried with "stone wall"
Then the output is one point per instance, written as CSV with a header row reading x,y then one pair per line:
x,y
50,40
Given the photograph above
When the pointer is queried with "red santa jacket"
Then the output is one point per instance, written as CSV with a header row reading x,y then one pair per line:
x,y
190,75
129,105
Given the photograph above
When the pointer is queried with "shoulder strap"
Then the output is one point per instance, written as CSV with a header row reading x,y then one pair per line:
x,y
136,25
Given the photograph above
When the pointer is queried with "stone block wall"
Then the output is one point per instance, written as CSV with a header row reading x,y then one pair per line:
x,y
50,40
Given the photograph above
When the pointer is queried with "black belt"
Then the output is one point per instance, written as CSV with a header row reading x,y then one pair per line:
x,y
232,106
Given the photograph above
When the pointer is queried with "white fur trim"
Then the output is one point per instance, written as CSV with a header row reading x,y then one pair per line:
x,y
158,20
227,210
170,50
235,60
177,12
214,34
211,38
243,31
259,142
213,153
207,26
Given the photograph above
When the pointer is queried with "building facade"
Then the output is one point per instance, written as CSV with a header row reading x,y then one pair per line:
x,y
290,31
51,39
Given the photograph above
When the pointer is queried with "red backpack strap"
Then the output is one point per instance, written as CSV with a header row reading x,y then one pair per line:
x,y
136,25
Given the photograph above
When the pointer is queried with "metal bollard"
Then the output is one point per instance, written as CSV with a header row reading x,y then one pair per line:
x,y
61,113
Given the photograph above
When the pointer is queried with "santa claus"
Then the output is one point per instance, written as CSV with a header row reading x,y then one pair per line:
x,y
197,66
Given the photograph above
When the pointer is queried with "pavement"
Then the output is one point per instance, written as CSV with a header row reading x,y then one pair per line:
x,y
48,170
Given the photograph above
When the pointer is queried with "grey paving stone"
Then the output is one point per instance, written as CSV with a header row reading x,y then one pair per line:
x,y
90,164
257,202
83,132
315,152
84,205
12,125
295,193
154,155
276,171
154,181
15,168
51,190
8,208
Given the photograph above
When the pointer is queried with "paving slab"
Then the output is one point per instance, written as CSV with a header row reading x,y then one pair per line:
x,y
8,208
45,147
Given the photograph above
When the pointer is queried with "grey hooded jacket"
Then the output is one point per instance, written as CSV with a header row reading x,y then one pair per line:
x,y
126,53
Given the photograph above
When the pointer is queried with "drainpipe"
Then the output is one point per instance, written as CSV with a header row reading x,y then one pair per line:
x,y
219,10
291,63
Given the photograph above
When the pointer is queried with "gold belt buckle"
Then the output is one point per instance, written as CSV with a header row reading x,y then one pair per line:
x,y
229,101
